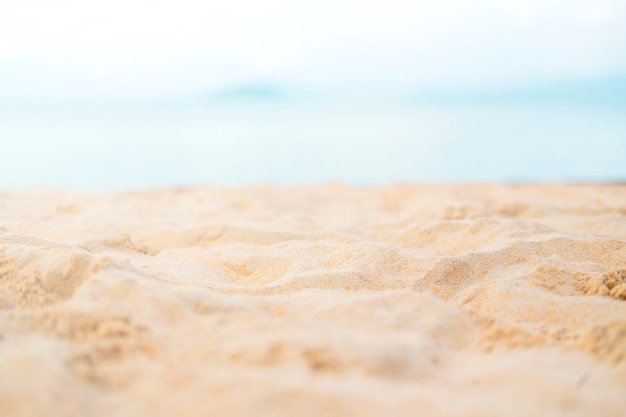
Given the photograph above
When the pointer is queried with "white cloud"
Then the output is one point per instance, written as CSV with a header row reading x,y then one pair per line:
x,y
134,48
596,16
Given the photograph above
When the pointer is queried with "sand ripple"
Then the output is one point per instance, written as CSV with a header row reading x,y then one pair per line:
x,y
451,300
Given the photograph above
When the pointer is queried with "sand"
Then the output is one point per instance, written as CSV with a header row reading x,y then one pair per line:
x,y
442,300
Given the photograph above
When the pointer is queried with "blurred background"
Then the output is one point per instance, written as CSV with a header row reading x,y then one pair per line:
x,y
138,93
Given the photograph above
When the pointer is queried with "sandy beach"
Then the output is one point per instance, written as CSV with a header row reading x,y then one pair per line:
x,y
404,300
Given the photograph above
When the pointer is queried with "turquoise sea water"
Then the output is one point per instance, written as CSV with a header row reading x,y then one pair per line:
x,y
301,143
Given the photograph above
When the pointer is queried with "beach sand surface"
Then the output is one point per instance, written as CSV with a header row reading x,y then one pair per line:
x,y
403,300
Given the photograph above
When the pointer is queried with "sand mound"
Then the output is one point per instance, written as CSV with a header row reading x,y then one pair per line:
x,y
611,284
436,300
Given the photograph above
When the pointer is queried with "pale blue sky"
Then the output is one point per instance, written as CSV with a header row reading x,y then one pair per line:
x,y
133,49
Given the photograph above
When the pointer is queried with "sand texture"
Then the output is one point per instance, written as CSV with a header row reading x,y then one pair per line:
x,y
442,300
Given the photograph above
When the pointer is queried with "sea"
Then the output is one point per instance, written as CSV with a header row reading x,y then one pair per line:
x,y
288,143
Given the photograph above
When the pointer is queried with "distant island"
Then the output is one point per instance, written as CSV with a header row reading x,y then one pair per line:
x,y
256,92
611,89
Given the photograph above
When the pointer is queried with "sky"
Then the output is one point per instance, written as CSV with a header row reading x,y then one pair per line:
x,y
143,49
